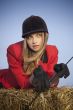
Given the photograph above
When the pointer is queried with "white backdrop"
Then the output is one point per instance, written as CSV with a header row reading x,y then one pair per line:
x,y
58,15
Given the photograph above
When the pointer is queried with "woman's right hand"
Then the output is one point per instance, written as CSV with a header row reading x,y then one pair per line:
x,y
39,79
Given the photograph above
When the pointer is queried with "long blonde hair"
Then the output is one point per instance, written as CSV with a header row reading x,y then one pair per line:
x,y
30,60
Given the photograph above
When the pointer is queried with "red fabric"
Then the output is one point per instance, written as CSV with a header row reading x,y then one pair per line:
x,y
14,75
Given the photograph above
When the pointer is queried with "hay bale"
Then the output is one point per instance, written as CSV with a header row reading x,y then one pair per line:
x,y
53,99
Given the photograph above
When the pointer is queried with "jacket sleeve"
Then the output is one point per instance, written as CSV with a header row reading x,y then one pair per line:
x,y
53,59
16,69
52,56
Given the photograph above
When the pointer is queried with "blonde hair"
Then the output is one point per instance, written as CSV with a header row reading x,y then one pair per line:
x,y
31,60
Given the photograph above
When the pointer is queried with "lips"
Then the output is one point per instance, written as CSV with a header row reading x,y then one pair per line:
x,y
35,46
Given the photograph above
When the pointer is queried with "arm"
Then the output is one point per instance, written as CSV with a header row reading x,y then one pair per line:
x,y
53,59
60,70
16,69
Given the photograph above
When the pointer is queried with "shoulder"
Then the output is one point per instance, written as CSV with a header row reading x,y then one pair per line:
x,y
15,48
52,54
16,45
51,49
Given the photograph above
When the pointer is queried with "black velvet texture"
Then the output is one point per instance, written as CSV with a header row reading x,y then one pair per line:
x,y
33,24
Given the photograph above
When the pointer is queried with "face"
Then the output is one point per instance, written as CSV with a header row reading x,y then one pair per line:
x,y
35,41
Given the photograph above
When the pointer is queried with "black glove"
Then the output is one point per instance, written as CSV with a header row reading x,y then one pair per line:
x,y
62,70
40,79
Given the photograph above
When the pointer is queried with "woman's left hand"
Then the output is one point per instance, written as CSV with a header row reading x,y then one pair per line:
x,y
62,70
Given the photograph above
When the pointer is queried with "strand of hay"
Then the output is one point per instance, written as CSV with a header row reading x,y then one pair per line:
x,y
53,99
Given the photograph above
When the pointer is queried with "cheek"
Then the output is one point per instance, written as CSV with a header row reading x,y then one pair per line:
x,y
29,44
41,41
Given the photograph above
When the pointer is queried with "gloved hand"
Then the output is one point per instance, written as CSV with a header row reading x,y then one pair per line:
x,y
40,80
62,70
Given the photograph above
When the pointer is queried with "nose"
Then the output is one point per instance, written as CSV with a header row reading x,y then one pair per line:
x,y
34,40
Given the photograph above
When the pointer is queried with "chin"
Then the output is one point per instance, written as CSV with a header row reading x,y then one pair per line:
x,y
36,50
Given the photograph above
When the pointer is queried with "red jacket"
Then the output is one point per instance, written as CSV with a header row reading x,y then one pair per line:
x,y
14,76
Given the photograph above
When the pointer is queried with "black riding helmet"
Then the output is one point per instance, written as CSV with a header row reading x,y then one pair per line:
x,y
33,24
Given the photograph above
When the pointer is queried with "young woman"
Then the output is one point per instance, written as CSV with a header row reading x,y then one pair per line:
x,y
31,61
